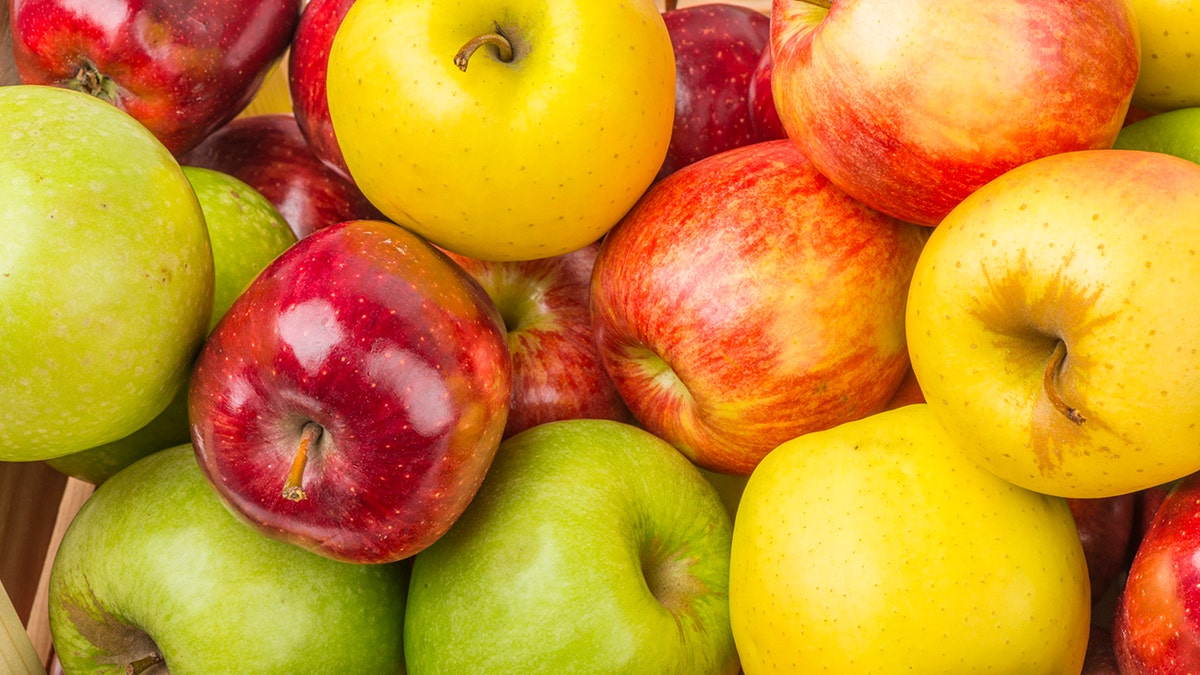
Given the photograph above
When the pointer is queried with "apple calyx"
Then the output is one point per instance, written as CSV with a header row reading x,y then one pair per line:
x,y
1056,359
89,80
497,39
144,664
292,487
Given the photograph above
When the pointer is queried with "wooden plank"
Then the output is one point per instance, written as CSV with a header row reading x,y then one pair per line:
x,y
75,494
29,498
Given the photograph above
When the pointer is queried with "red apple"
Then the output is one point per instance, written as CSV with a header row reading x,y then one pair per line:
x,y
911,105
183,69
557,373
1105,527
908,393
717,47
745,300
1100,659
308,62
764,117
269,153
353,397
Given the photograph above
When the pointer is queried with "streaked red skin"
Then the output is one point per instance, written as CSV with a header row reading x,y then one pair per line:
x,y
1156,626
910,106
308,64
717,48
398,354
557,373
183,68
777,300
269,153
1105,526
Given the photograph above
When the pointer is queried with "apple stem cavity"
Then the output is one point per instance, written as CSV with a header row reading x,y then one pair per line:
x,y
495,38
1056,359
292,489
143,664
91,81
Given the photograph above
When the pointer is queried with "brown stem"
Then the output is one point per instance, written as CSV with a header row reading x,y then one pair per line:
x,y
670,5
1056,359
143,664
292,489
496,39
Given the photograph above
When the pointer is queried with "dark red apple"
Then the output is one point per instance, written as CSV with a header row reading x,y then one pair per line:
x,y
1100,659
717,47
269,153
308,62
1105,527
181,68
353,397
764,118
557,372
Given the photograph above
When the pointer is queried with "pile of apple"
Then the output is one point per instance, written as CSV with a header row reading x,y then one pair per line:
x,y
605,337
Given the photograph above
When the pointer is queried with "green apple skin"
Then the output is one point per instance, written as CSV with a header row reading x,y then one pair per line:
x,y
878,546
1169,78
1176,132
246,233
1050,328
155,566
106,273
592,546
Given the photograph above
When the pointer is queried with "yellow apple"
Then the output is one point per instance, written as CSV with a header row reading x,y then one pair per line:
x,y
503,129
1170,73
878,546
1053,327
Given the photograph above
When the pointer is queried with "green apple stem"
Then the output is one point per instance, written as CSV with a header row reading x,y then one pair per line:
x,y
91,81
143,664
1056,359
292,489
496,39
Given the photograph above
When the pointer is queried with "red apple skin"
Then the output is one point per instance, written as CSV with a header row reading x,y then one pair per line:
x,y
269,153
764,117
910,105
1156,624
308,63
1105,527
908,393
398,355
1100,658
183,68
717,47
745,301
557,372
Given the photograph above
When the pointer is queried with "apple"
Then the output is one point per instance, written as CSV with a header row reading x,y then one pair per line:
x,y
764,116
907,393
353,397
911,105
1101,659
1044,323
1155,623
717,49
106,273
1170,33
154,573
182,69
1176,132
308,64
557,373
269,153
746,300
593,547
880,543
1105,527
510,130
245,233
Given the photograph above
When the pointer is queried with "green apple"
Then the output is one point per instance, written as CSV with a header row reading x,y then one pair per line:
x,y
155,574
592,546
1169,77
106,273
503,129
1176,132
246,232
878,546
1049,328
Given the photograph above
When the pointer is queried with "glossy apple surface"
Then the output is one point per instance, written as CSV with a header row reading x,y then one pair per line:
x,y
503,160
106,273
354,395
829,566
593,546
1105,527
154,573
746,300
764,116
1044,323
180,68
557,372
308,68
1170,32
911,105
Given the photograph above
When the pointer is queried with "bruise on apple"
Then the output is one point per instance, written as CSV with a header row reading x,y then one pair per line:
x,y
122,643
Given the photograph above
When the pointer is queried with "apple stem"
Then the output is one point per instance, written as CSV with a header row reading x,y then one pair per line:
x,y
1056,359
143,664
670,5
92,82
292,489
496,39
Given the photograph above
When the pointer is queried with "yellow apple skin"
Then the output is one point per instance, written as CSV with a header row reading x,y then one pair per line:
x,y
879,547
1170,36
1098,251
503,161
